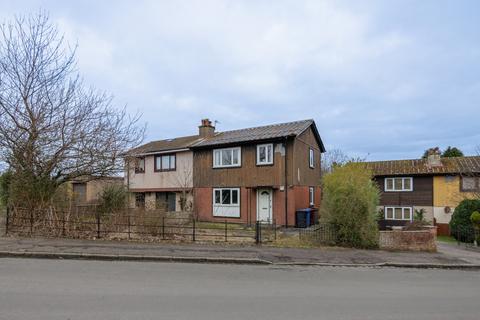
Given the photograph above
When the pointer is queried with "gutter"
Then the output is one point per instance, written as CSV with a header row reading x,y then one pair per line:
x,y
159,152
286,183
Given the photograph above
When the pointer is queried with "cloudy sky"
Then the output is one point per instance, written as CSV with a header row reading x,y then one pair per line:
x,y
382,79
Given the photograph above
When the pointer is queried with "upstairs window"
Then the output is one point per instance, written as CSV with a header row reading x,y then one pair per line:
x,y
140,165
229,157
470,184
165,162
398,184
264,154
311,158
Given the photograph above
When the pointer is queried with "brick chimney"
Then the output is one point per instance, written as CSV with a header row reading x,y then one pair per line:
x,y
206,130
433,157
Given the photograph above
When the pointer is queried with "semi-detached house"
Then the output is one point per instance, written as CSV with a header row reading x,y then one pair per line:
x,y
262,173
433,185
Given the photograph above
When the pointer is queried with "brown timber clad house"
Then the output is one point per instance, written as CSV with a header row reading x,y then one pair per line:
x,y
434,185
263,173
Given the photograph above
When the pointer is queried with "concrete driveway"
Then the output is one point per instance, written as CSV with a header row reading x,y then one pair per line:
x,y
460,252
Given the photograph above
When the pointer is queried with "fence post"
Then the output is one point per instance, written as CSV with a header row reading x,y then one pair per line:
x,y
163,228
98,224
193,230
257,232
274,230
225,230
63,223
7,220
31,222
128,223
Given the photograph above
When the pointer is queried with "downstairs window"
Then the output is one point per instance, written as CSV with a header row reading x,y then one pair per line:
x,y
226,202
398,213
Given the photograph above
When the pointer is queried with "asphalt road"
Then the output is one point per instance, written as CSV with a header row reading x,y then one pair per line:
x,y
56,289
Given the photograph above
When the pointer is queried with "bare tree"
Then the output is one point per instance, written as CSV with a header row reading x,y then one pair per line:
x,y
331,158
52,127
184,179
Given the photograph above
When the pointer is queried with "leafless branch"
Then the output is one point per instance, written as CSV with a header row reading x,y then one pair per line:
x,y
51,124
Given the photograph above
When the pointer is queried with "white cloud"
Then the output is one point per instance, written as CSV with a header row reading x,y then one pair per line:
x,y
374,76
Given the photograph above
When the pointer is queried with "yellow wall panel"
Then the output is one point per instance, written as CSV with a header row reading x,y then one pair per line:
x,y
446,191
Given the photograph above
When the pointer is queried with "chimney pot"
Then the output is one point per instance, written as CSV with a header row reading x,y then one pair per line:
x,y
206,130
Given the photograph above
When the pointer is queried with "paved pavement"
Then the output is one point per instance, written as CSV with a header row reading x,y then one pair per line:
x,y
447,255
67,289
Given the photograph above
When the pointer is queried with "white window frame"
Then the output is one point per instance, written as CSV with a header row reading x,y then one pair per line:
x,y
403,213
239,164
231,210
403,189
311,158
259,163
311,195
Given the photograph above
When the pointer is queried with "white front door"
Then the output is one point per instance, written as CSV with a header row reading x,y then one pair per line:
x,y
264,205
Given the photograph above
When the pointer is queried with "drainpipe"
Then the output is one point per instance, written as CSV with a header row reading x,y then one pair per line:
x,y
286,183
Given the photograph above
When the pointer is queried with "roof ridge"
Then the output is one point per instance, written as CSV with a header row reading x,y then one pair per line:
x,y
268,125
167,139
423,159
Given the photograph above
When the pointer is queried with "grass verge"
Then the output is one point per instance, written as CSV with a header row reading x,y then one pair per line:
x,y
446,239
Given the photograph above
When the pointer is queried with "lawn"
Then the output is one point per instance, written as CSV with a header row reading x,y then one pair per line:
x,y
447,239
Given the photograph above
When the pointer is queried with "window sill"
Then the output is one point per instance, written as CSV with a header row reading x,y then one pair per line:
x,y
226,167
216,205
264,164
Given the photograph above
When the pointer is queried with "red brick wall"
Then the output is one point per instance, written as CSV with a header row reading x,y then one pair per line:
x,y
204,206
423,240
298,198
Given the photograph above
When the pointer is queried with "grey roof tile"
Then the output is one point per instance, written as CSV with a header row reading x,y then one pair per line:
x,y
227,137
257,133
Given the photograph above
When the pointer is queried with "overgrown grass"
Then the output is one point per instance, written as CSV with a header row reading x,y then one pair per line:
x,y
221,226
446,239
292,241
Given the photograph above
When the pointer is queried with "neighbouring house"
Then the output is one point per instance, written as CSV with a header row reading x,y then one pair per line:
x,y
257,174
263,173
434,185
87,190
159,174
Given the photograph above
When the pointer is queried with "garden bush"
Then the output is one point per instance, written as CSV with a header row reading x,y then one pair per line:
x,y
350,205
461,226
475,219
113,198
